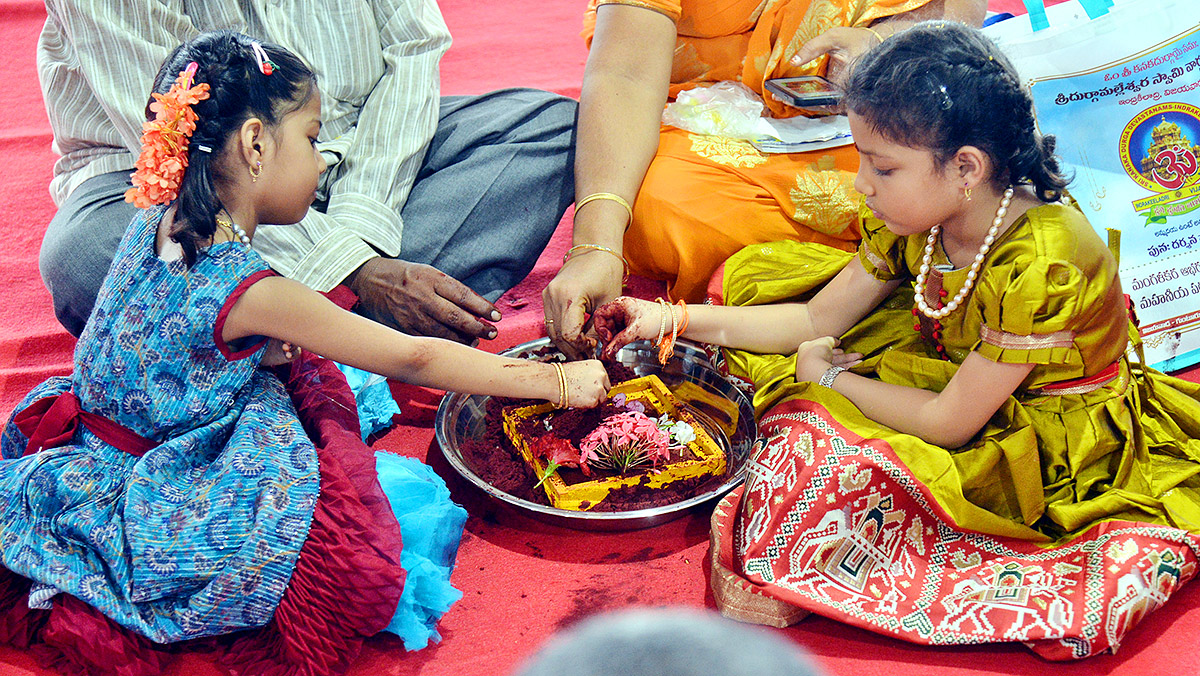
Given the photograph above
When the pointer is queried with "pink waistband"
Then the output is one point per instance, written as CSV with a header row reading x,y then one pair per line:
x,y
1081,385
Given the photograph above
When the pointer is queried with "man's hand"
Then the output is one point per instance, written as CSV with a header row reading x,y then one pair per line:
x,y
422,301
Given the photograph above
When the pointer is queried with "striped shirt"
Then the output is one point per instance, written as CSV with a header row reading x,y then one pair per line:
x,y
377,67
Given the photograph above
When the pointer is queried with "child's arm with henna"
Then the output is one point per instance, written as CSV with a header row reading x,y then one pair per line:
x,y
776,328
280,308
949,418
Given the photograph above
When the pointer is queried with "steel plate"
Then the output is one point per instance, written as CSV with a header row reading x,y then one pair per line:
x,y
461,417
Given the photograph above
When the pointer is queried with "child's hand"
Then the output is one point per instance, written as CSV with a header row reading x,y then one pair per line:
x,y
279,352
624,320
814,357
587,383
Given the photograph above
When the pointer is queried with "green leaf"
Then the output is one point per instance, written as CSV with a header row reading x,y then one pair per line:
x,y
551,468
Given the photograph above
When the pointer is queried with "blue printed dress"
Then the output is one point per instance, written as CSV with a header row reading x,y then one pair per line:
x,y
233,505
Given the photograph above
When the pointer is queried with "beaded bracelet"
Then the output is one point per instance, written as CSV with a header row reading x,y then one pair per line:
x,y
612,197
597,247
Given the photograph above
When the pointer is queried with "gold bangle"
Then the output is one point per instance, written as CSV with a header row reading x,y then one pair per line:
x,y
563,395
613,197
566,391
874,32
597,247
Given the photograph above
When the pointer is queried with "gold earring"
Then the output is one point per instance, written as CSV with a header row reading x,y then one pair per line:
x,y
967,193
255,172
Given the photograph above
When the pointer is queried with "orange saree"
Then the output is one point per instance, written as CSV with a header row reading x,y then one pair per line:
x,y
706,197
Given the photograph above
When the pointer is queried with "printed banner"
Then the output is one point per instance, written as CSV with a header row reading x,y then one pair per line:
x,y
1122,106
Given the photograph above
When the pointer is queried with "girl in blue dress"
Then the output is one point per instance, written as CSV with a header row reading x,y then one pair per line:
x,y
170,489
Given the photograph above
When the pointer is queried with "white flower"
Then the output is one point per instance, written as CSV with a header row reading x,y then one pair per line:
x,y
682,433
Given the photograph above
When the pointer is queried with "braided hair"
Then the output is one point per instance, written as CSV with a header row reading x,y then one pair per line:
x,y
238,91
942,85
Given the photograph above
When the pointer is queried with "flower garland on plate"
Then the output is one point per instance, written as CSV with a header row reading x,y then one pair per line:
x,y
164,156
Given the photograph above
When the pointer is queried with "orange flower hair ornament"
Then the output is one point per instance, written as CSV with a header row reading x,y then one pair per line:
x,y
164,154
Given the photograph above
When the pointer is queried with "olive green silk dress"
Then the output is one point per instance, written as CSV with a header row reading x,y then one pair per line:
x,y
1089,437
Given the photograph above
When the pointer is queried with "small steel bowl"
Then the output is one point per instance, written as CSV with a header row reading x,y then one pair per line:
x,y
461,417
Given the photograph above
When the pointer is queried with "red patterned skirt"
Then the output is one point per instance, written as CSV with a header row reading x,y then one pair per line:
x,y
834,523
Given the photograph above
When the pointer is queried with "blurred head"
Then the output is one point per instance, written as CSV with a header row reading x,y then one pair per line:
x,y
245,108
667,642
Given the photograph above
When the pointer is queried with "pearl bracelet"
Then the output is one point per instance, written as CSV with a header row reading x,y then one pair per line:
x,y
828,376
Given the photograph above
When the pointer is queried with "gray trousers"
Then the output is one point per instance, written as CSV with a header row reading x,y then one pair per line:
x,y
494,184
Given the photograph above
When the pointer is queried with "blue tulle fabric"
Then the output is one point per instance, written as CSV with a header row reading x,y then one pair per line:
x,y
431,526
376,406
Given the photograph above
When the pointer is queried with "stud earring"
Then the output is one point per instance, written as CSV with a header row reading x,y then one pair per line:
x,y
255,172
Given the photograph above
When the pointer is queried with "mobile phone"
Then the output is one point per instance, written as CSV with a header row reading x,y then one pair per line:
x,y
808,92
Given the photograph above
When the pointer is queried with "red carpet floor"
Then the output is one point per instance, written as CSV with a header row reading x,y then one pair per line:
x,y
522,579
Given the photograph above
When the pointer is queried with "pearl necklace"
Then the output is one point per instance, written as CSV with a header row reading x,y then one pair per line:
x,y
927,261
235,229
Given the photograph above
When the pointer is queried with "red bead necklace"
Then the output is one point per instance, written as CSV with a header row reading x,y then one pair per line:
x,y
930,328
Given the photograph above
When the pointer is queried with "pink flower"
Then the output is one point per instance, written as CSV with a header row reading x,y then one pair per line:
x,y
625,431
621,401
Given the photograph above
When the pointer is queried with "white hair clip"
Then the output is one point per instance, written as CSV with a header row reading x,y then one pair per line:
x,y
946,103
265,64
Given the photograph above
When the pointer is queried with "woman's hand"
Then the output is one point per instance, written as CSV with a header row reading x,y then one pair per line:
x,y
815,357
279,352
625,320
621,98
587,383
586,281
842,44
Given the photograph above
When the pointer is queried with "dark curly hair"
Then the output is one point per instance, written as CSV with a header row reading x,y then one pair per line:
x,y
943,85
238,91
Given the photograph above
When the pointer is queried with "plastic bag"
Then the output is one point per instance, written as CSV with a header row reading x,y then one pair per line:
x,y
729,109
376,406
733,110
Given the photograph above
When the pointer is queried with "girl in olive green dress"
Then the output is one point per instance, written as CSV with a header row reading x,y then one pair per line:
x,y
960,450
